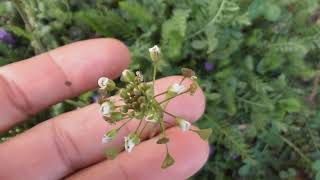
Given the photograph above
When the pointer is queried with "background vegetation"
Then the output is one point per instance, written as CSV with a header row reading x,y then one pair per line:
x,y
258,61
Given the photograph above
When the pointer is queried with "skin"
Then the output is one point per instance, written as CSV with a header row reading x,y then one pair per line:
x,y
69,145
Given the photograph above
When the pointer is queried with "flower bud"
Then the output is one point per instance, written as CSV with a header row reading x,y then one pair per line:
x,y
109,136
124,109
127,76
155,53
183,124
123,94
106,83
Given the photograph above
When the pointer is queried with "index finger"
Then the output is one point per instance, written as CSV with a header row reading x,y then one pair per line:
x,y
26,87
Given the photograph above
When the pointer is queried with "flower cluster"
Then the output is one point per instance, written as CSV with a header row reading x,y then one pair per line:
x,y
138,102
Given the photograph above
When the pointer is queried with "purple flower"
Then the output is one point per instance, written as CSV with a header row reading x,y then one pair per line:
x,y
212,150
6,37
208,66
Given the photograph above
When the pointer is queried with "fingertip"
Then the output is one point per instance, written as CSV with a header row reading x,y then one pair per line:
x,y
188,149
86,61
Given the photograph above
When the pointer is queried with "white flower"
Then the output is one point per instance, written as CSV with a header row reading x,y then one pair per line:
x,y
154,53
183,124
177,88
103,82
106,139
154,49
105,108
128,144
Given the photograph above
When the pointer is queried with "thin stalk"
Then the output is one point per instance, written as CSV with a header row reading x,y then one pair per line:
x,y
160,94
182,80
124,124
174,96
166,112
145,125
212,21
138,126
154,75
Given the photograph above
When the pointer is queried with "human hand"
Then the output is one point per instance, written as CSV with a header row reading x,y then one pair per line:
x,y
69,145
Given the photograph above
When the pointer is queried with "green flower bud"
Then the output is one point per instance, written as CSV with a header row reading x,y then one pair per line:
x,y
123,94
124,109
127,76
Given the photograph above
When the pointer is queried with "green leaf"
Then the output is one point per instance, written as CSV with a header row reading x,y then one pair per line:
x,y
19,31
290,105
111,153
272,12
198,44
318,176
244,170
204,133
168,161
316,166
163,140
136,12
173,34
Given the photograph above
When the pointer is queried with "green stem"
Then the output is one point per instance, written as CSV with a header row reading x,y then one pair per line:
x,y
212,21
160,94
154,75
294,147
182,80
124,124
145,125
138,126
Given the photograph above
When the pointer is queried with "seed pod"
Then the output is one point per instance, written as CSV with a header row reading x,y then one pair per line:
x,y
186,72
116,116
124,109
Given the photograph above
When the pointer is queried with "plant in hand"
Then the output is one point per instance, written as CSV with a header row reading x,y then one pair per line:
x,y
138,103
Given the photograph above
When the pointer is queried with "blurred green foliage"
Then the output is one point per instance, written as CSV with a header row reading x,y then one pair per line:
x,y
262,98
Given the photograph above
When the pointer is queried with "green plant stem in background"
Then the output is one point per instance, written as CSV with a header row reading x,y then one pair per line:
x,y
295,148
28,18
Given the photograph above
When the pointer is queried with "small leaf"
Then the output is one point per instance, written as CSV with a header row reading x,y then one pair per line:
x,y
204,133
163,140
111,153
168,161
316,165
